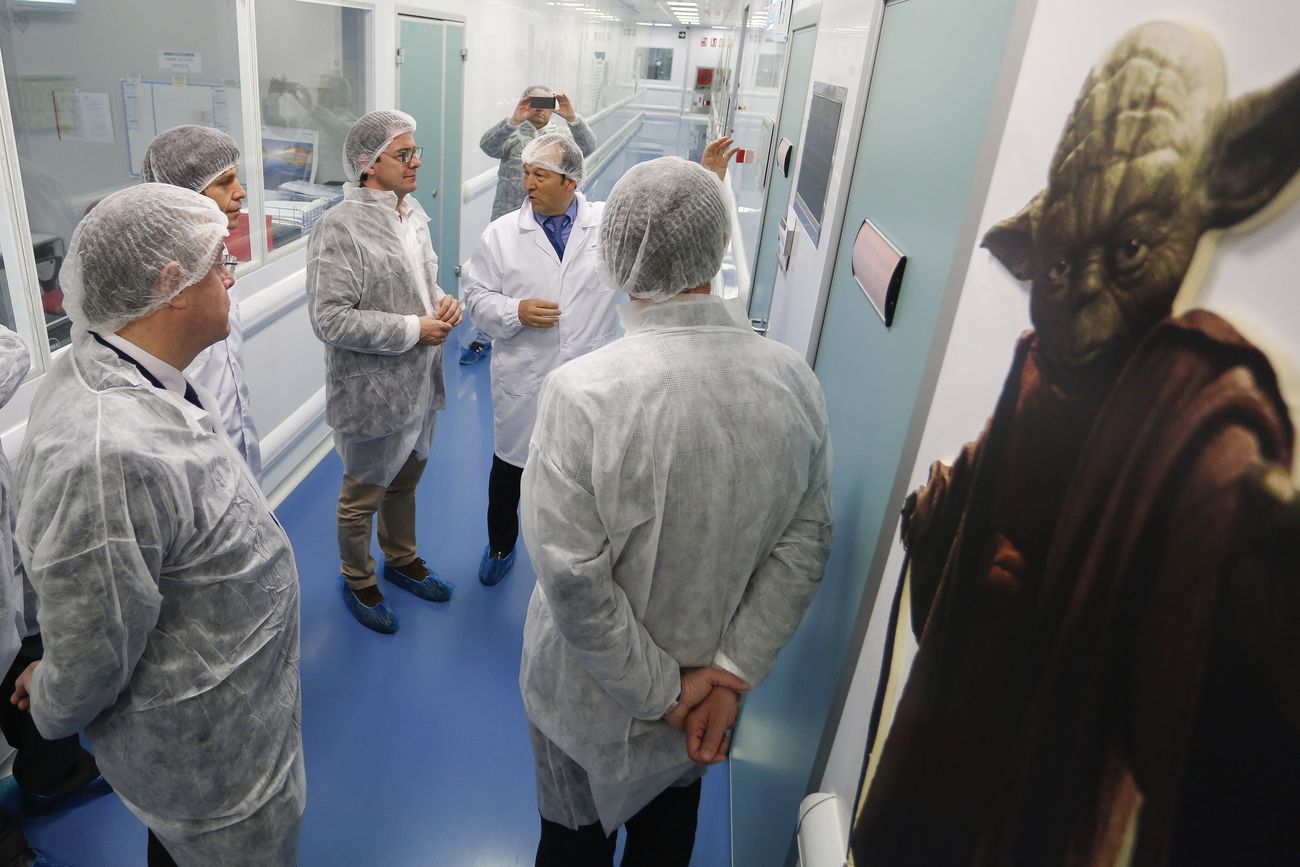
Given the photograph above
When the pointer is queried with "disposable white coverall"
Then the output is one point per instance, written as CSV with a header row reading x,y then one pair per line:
x,y
383,388
168,606
515,261
676,506
506,142
14,364
220,369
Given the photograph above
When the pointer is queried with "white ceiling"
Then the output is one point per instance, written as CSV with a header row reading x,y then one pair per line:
x,y
678,13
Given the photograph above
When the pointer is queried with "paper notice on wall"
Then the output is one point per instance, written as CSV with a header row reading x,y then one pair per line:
x,y
220,109
96,117
180,61
131,103
81,116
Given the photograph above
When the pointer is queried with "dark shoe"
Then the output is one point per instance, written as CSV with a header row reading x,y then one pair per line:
x,y
84,784
494,566
476,351
416,578
376,617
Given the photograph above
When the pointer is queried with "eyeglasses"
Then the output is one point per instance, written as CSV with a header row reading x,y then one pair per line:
x,y
405,155
229,262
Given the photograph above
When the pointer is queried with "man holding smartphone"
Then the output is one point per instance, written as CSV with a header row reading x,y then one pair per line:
x,y
534,116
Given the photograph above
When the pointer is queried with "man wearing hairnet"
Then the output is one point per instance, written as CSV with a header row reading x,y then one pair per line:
x,y
206,160
59,766
533,287
330,113
506,142
167,593
676,506
374,301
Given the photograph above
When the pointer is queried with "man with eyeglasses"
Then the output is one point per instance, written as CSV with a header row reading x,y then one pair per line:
x,y
506,141
374,301
167,591
206,160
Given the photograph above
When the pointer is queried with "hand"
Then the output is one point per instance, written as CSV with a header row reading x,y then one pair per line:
x,y
448,310
536,313
697,683
706,728
23,688
433,331
521,111
300,93
564,108
717,155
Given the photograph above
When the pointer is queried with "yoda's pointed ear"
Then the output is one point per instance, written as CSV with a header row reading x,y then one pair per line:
x,y
1254,151
1012,240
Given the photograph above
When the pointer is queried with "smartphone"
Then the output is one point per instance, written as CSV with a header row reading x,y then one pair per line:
x,y
542,102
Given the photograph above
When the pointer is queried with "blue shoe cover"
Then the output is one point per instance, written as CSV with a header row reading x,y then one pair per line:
x,y
433,588
476,351
378,618
43,860
492,569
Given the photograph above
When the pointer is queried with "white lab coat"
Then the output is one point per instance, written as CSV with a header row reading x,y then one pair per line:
x,y
515,261
676,507
382,387
17,601
168,606
220,369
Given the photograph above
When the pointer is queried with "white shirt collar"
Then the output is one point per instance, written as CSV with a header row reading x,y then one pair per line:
x,y
171,378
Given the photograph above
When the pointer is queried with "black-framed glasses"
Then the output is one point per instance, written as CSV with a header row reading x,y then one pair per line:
x,y
229,262
405,155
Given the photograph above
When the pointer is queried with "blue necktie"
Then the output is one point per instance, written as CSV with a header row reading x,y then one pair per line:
x,y
554,227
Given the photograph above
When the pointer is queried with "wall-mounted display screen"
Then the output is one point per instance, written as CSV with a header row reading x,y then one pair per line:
x,y
818,152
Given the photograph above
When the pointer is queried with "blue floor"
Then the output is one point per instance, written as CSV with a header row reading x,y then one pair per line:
x,y
416,746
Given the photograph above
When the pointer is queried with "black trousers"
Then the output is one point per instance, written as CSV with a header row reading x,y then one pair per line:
x,y
662,834
13,843
157,855
503,506
41,767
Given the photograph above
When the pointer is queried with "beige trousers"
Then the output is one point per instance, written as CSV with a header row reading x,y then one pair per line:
x,y
395,504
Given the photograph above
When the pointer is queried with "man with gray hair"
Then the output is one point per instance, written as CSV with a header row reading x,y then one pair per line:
x,y
506,142
676,506
206,160
167,592
374,301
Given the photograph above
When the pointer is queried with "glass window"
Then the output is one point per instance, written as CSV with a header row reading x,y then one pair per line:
x,y
313,67
654,64
90,84
15,313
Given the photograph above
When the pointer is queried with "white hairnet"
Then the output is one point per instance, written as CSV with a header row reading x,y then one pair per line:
x,y
369,137
114,270
664,230
189,156
556,153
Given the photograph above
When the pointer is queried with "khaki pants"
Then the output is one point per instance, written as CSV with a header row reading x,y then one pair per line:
x,y
396,507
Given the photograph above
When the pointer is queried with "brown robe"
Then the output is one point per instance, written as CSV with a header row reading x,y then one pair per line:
x,y
1091,685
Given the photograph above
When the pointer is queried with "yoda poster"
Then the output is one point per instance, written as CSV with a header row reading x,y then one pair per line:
x,y
1102,550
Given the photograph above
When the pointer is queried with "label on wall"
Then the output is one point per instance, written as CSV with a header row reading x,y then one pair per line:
x,y
180,61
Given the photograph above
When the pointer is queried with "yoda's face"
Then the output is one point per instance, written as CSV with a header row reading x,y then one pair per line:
x,y
1111,250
